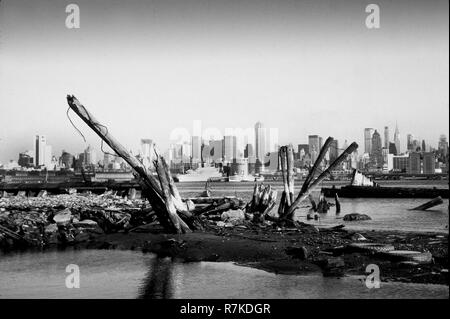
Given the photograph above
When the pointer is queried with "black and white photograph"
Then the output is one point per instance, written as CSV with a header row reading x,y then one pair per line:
x,y
224,150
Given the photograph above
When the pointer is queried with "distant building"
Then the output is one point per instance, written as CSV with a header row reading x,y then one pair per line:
x,y
90,157
401,163
397,140
368,132
42,152
429,163
314,146
376,154
392,148
409,142
334,150
443,146
304,147
196,149
386,137
260,141
66,160
25,159
229,148
414,163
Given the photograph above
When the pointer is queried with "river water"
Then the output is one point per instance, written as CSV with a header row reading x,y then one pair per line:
x,y
128,274
386,213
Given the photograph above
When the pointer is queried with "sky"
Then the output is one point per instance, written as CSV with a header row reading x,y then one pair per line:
x,y
144,68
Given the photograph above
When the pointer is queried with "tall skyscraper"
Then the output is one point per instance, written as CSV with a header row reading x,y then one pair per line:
x,y
397,139
314,146
196,149
368,132
377,154
443,145
42,152
410,142
229,148
386,137
260,141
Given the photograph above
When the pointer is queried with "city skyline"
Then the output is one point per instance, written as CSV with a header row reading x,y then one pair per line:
x,y
231,151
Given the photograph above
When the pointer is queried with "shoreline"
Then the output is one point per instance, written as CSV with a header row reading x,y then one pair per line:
x,y
277,251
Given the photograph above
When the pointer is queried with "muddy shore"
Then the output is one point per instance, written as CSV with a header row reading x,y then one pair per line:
x,y
287,251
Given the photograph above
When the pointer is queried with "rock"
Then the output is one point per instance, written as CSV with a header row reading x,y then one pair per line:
x,y
86,223
356,217
42,193
51,229
357,237
233,216
63,217
80,237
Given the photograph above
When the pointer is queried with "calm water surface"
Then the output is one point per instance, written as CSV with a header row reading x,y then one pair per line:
x,y
386,213
127,274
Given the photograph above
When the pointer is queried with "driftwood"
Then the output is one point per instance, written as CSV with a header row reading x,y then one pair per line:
x,y
263,201
434,202
160,190
287,204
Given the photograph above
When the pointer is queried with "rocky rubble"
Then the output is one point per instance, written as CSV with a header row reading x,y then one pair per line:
x,y
66,219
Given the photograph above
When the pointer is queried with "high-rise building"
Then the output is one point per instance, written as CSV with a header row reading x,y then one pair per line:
x,y
304,147
90,157
368,132
334,150
42,152
25,159
39,150
260,141
386,137
229,148
314,146
409,143
414,163
429,163
392,148
397,139
196,149
376,154
443,146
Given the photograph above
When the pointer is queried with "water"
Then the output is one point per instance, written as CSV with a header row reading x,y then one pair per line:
x,y
386,213
128,274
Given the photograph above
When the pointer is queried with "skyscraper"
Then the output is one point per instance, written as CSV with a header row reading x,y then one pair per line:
x,y
377,154
386,137
409,142
314,146
260,141
147,152
196,149
397,139
429,163
42,152
368,132
229,148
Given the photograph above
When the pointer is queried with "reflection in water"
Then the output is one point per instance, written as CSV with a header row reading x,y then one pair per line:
x,y
158,280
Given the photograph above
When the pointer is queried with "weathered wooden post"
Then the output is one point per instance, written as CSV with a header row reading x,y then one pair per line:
x,y
161,192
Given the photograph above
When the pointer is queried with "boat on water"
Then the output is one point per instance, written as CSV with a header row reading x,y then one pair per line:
x,y
245,178
201,174
362,186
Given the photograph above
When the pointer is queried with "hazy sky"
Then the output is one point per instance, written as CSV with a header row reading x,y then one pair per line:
x,y
146,67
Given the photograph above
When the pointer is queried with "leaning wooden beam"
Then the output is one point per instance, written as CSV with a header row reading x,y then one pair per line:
x,y
434,202
315,167
302,196
151,186
290,171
